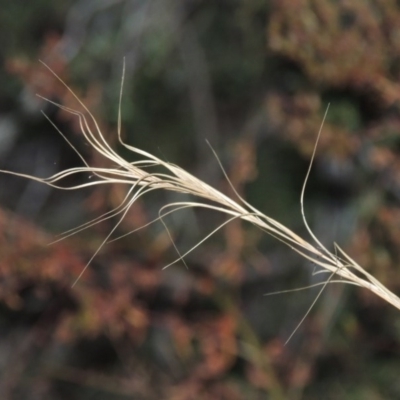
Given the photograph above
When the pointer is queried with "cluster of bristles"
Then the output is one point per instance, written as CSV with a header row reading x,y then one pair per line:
x,y
140,181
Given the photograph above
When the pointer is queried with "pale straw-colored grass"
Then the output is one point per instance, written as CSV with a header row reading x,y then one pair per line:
x,y
135,174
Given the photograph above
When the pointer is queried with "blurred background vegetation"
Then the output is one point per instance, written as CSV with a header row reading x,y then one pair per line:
x,y
253,78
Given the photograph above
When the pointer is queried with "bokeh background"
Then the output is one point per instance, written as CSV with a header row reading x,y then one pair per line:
x,y
253,78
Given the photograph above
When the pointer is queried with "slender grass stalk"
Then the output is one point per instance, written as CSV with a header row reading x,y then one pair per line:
x,y
173,178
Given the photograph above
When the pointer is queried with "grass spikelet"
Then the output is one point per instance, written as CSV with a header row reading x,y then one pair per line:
x,y
173,178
